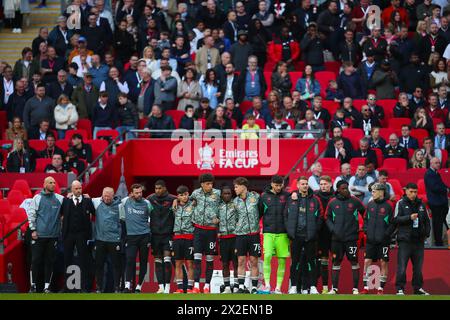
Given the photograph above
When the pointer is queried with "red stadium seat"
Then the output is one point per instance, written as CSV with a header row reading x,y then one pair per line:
x,y
109,133
15,197
410,153
299,65
388,107
397,123
245,106
291,123
398,190
85,124
355,162
233,124
17,215
5,207
295,75
260,122
421,190
333,66
324,77
330,164
358,103
436,121
98,146
37,145
354,135
176,116
268,78
419,134
331,106
379,154
444,158
70,133
22,186
41,164
386,132
63,144
417,171
397,164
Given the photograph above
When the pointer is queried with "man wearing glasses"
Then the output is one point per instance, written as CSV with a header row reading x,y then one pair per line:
x,y
377,110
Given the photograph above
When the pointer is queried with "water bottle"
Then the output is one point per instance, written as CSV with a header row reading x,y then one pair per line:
x,y
416,223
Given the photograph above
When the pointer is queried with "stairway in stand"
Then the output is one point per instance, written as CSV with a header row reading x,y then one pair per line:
x,y
11,44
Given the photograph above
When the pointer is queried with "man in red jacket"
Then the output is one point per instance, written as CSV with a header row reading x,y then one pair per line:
x,y
284,49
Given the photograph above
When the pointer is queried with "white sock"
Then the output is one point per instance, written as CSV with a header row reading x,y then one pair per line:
x,y
294,288
366,287
277,288
161,287
128,284
241,286
167,288
197,285
138,287
325,287
206,286
47,285
380,288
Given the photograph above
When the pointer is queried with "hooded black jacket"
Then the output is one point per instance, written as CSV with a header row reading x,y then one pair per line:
x,y
314,215
402,219
378,221
162,217
271,208
341,217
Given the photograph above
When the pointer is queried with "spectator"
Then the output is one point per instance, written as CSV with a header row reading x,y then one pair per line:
x,y
366,70
16,102
339,120
159,121
127,116
98,70
42,37
264,15
370,169
429,151
284,49
418,160
51,65
365,151
20,159
328,23
367,121
359,184
441,139
345,174
413,75
333,93
17,131
146,94
395,8
73,163
350,111
50,148
394,150
375,45
349,50
312,49
124,42
180,52
6,89
439,75
59,36
407,141
57,165
79,44
434,110
294,111
233,112
433,42
187,121
164,62
97,35
260,39
26,66
189,90
211,15
104,115
66,116
403,108
382,178
241,51
207,57
376,110
230,27
85,97
36,109
281,81
375,140
320,114
274,103
278,123
259,110
210,88
81,149
148,55
251,82
350,82
307,85
250,129
384,81
229,84
60,86
218,120
444,102
314,179
338,152
225,58
114,86
437,199
204,110
309,123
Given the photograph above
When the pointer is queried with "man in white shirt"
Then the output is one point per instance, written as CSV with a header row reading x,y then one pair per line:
x,y
104,13
314,180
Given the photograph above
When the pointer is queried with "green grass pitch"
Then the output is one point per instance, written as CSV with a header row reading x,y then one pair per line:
x,y
184,297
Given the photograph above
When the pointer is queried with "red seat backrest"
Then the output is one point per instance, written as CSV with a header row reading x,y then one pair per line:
x,y
398,190
324,77
245,106
397,123
419,134
64,144
98,146
395,163
22,186
86,125
358,103
41,164
379,154
331,106
386,132
70,133
330,164
295,75
355,162
354,135
5,207
37,145
15,197
176,116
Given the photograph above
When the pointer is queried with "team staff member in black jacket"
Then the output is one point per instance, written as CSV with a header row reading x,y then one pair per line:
x,y
341,218
271,206
324,244
161,225
413,224
378,227
303,217
76,211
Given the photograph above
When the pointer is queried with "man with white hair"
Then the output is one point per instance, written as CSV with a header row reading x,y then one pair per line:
x,y
346,174
76,211
314,179
394,150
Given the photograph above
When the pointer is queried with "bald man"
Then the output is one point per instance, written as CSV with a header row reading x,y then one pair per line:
x,y
76,211
108,232
44,222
